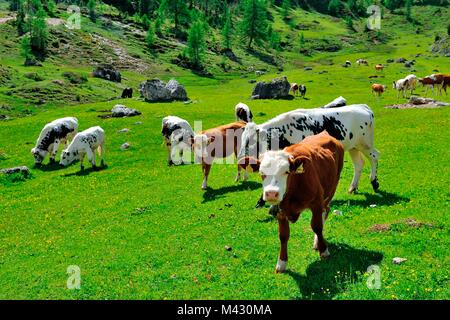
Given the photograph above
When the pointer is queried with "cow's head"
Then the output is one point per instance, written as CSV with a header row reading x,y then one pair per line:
x,y
67,157
275,168
199,144
39,155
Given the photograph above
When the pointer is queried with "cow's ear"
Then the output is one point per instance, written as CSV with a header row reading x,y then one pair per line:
x,y
211,139
296,164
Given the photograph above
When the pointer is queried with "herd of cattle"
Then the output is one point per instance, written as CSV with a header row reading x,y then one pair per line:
x,y
299,154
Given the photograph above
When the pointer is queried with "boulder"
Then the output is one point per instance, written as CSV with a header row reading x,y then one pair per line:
x,y
155,90
24,170
107,72
400,60
276,89
120,111
389,60
32,62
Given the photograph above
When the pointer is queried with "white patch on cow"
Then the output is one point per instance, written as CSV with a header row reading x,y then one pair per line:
x,y
200,144
274,168
281,265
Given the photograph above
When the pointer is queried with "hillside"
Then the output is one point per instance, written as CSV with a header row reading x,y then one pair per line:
x,y
121,42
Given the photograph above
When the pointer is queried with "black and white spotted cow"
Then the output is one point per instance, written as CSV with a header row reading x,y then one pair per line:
x,y
85,143
177,134
352,125
51,136
243,112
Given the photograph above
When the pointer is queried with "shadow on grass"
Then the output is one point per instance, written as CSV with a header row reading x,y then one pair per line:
x,y
336,273
48,167
86,172
381,198
214,194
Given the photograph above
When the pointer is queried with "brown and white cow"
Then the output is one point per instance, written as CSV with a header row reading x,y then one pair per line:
x,y
378,89
428,82
302,176
217,143
379,67
362,62
443,81
294,88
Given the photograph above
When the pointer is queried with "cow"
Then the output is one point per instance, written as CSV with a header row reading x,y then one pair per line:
x,y
379,67
428,82
352,125
127,93
338,102
177,134
216,143
443,80
51,136
347,64
378,89
85,143
362,62
302,90
243,112
294,88
302,176
405,84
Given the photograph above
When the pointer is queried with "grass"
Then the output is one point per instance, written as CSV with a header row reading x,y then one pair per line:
x,y
141,230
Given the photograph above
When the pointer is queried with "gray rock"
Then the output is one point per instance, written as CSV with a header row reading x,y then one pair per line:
x,y
156,90
409,64
276,89
138,123
307,68
125,146
21,169
107,72
400,60
398,260
252,81
120,111
124,130
389,60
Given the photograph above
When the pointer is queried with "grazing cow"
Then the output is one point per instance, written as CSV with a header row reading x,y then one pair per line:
x,y
177,134
127,93
294,88
243,112
347,64
302,90
51,136
302,176
362,62
216,143
405,84
378,89
379,67
85,143
352,125
338,102
259,73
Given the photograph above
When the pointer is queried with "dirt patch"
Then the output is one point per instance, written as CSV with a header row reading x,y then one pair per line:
x,y
6,19
410,222
419,103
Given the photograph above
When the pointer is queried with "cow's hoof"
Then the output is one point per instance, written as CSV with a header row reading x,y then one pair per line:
x,y
102,163
170,163
82,168
281,266
260,204
94,167
52,161
324,255
352,190
204,187
375,184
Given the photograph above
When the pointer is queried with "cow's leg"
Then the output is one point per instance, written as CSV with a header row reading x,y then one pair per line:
x,y
206,168
261,203
324,218
283,232
101,151
91,157
238,175
180,153
169,151
358,164
317,222
373,155
82,154
54,150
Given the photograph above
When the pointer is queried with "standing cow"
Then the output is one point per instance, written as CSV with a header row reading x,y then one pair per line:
x,y
177,134
243,112
85,143
51,136
378,89
302,176
217,143
405,84
352,125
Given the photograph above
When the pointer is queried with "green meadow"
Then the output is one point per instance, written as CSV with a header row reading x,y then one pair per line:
x,y
138,229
